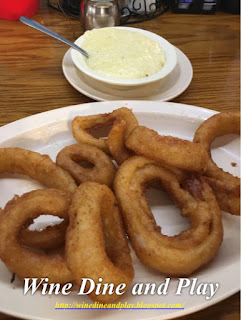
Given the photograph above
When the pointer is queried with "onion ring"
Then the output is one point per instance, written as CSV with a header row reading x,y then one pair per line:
x,y
95,237
22,261
225,186
102,172
167,150
36,166
52,237
178,255
81,126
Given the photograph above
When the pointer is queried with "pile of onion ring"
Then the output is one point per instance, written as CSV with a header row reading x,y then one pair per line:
x,y
19,247
96,218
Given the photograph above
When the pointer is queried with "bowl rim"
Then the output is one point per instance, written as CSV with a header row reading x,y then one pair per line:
x,y
167,47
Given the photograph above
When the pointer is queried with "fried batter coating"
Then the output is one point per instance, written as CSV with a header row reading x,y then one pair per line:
x,y
70,159
37,166
22,261
50,238
43,169
178,255
167,150
96,245
116,141
225,186
122,118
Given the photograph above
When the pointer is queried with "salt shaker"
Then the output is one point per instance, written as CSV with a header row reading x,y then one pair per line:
x,y
99,13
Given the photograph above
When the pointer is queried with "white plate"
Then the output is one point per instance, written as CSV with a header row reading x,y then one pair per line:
x,y
175,84
48,133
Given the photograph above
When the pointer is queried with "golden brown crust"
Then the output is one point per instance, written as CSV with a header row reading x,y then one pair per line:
x,y
82,125
96,245
37,166
52,237
167,150
226,185
179,255
20,260
116,141
103,170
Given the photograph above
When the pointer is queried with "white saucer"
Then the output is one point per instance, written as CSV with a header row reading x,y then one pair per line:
x,y
175,84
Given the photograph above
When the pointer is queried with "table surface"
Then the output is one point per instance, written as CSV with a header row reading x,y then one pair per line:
x,y
32,81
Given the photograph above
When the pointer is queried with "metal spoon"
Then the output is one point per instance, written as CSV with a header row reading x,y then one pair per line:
x,y
40,27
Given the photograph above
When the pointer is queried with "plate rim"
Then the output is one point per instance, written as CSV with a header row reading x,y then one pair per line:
x,y
205,113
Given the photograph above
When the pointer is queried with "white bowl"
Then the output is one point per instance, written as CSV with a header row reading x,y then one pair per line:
x,y
127,88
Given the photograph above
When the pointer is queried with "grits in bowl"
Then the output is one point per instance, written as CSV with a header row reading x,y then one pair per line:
x,y
124,59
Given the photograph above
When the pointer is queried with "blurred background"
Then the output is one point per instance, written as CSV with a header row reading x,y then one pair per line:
x,y
139,10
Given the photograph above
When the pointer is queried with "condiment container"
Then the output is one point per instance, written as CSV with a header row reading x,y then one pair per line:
x,y
99,14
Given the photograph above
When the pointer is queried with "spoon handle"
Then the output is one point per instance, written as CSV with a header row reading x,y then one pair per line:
x,y
51,33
